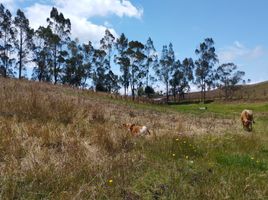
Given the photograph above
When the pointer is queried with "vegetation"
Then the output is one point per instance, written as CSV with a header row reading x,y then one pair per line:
x,y
57,142
61,59
205,75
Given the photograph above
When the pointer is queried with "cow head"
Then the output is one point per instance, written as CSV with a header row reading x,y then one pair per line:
x,y
248,125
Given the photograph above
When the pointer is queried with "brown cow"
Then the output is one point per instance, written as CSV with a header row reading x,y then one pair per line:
x,y
247,119
137,130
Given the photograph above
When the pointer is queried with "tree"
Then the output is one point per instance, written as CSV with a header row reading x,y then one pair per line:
x,y
107,43
74,71
205,74
136,58
151,59
182,76
166,67
99,70
111,82
228,78
24,41
149,91
42,56
176,78
61,29
7,37
123,61
88,52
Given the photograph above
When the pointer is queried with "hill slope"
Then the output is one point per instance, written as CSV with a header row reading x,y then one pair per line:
x,y
62,143
258,91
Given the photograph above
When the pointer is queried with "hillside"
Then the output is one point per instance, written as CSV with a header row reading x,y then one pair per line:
x,y
57,142
258,91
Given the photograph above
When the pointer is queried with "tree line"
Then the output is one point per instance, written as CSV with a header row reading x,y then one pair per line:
x,y
61,60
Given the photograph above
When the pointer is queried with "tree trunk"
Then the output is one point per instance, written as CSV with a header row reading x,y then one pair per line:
x,y
167,92
55,66
204,94
20,55
133,93
5,57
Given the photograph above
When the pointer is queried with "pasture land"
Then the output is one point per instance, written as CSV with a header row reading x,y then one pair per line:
x,y
62,143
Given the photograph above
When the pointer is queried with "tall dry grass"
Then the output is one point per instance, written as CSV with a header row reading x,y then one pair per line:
x,y
62,143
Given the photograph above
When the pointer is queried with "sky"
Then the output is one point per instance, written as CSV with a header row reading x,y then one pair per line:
x,y
238,27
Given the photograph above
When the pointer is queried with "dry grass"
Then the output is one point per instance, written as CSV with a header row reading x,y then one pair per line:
x,y
60,143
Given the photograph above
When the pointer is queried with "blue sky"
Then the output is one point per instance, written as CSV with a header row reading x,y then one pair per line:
x,y
238,27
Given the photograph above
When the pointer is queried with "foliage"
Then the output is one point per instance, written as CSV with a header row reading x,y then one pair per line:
x,y
136,56
107,43
182,77
166,67
149,91
205,74
7,38
61,30
228,78
151,60
23,42
42,55
123,61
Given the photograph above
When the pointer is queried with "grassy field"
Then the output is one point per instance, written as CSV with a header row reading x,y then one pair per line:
x,y
61,143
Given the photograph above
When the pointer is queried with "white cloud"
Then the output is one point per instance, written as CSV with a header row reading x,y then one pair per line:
x,y
237,51
9,4
90,8
108,24
38,14
80,12
84,30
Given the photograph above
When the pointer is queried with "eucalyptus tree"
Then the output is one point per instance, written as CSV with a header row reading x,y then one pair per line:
x,y
204,72
100,68
176,78
107,44
88,53
61,29
23,42
135,53
166,67
182,77
7,38
123,61
112,82
228,77
42,56
151,60
74,70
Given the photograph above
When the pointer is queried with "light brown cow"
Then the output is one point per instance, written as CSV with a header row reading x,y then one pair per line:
x,y
247,119
137,130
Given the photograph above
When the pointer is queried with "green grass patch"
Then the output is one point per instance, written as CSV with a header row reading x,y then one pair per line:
x,y
222,109
243,161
